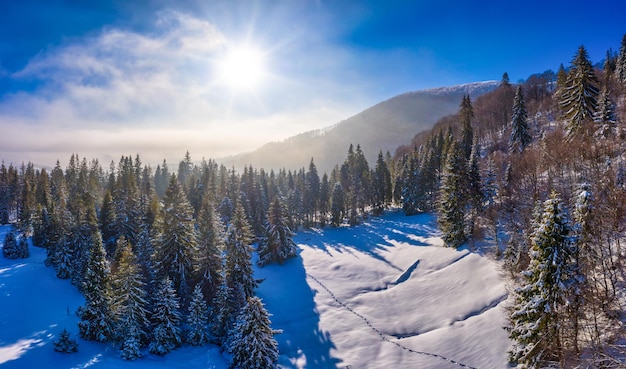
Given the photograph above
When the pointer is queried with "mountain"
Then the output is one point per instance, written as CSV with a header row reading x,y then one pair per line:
x,y
384,126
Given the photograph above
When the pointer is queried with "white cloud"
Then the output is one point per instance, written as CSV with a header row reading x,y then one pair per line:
x,y
122,92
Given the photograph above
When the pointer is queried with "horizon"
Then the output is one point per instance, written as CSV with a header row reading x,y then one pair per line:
x,y
160,78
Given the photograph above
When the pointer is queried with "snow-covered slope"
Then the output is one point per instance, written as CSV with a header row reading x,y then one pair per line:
x,y
381,295
386,295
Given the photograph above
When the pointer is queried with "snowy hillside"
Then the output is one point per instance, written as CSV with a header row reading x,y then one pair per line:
x,y
380,295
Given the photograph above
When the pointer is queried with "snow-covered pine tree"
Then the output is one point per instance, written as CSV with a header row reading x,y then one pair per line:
x,y
279,244
239,283
197,319
604,117
210,248
176,245
451,198
253,345
166,334
96,318
14,248
538,313
238,271
65,343
520,131
579,100
466,114
337,205
129,302
620,65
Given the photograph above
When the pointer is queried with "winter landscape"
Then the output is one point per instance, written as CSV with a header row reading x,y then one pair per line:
x,y
341,311
312,185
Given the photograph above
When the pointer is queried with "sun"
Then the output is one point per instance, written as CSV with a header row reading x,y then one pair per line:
x,y
242,68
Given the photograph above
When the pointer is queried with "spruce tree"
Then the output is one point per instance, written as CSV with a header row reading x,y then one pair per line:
x,y
337,209
451,198
604,117
253,345
210,248
520,131
166,334
96,319
197,319
176,244
620,65
579,99
65,343
537,317
279,244
129,302
14,248
466,114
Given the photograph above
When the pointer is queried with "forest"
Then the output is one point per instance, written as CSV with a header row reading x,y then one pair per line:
x,y
163,256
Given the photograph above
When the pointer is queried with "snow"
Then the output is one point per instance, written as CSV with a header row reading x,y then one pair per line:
x,y
384,294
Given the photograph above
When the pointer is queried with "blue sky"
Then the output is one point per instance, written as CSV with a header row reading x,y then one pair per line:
x,y
111,78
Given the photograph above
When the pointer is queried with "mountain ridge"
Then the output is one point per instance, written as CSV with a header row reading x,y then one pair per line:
x,y
382,127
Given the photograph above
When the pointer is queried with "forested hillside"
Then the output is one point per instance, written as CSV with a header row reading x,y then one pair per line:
x,y
537,169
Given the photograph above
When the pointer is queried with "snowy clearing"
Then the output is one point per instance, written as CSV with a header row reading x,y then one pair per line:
x,y
381,295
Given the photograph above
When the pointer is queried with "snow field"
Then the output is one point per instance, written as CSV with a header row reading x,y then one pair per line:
x,y
384,294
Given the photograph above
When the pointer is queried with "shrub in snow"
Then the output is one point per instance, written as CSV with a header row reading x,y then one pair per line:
x,y
65,343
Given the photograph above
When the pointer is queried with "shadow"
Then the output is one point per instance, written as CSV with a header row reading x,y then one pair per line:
x,y
291,301
374,235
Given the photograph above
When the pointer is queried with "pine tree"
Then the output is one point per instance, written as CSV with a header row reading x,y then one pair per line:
x,y
107,224
579,99
279,244
210,248
176,245
65,343
96,320
537,318
239,283
337,209
520,131
466,114
620,65
128,302
452,200
604,117
166,335
253,344
14,248
197,319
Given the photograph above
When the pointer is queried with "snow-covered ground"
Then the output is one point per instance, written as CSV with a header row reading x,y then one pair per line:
x,y
381,295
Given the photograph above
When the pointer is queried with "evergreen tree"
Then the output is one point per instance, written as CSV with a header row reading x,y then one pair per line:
x,y
239,283
452,200
129,302
520,131
65,343
253,344
605,117
466,114
166,335
107,223
381,184
579,99
210,248
14,249
197,319
176,244
279,244
620,65
537,318
96,320
337,210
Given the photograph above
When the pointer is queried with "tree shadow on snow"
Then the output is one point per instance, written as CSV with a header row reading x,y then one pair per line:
x,y
289,298
374,236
